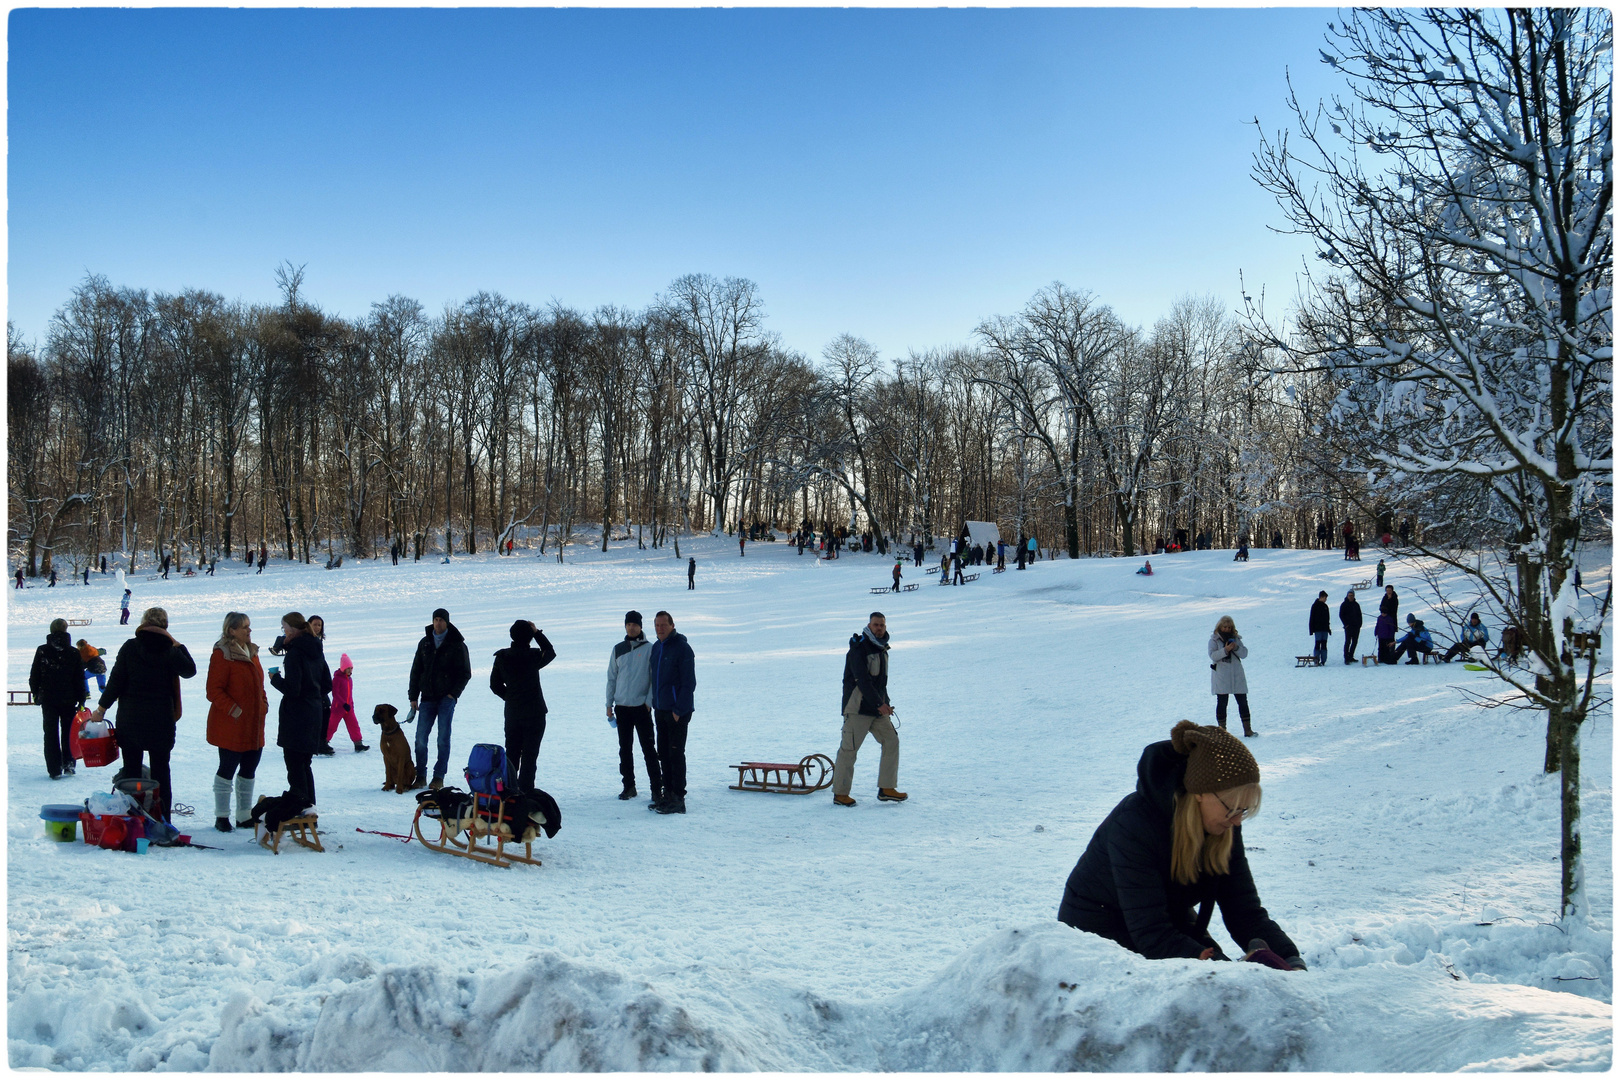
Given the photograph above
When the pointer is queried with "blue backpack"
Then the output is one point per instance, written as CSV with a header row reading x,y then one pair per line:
x,y
486,770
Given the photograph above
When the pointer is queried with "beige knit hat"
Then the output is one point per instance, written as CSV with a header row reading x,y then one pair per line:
x,y
1216,761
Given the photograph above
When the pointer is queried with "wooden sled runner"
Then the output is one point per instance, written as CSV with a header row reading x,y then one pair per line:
x,y
784,778
482,834
19,697
301,829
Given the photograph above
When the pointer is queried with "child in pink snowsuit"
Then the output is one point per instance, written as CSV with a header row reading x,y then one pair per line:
x,y
343,704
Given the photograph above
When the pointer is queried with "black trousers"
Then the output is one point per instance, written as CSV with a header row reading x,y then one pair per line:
x,y
243,763
1351,637
672,751
636,722
160,776
1220,708
523,751
300,777
58,720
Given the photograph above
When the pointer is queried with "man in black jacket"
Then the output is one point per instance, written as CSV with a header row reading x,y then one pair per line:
x,y
867,709
515,679
1321,627
1350,619
439,674
57,680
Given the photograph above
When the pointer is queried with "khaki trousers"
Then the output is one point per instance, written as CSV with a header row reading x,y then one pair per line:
x,y
855,728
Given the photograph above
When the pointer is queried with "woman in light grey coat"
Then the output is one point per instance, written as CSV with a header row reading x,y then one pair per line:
x,y
1226,653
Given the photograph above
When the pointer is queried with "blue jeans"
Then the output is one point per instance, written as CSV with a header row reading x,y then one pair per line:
x,y
1321,646
442,710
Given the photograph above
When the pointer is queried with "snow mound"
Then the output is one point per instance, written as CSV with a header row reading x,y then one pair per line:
x,y
1042,998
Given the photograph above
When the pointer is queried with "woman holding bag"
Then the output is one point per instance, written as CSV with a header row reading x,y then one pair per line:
x,y
145,681
237,706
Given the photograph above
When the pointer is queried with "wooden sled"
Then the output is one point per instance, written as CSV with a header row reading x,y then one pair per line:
x,y
909,588
1360,585
485,838
20,697
1306,661
301,829
969,577
784,778
78,622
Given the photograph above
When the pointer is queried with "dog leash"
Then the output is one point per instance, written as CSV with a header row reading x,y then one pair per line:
x,y
390,835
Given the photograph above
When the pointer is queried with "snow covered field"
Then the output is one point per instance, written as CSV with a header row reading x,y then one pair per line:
x,y
1408,843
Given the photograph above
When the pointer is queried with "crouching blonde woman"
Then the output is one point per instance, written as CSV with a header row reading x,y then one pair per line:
x,y
1174,845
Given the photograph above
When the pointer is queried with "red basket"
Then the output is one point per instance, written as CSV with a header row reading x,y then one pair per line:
x,y
115,831
102,751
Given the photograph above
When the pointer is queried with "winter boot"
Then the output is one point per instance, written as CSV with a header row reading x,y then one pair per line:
x,y
843,800
244,802
628,793
438,782
888,794
675,804
222,803
325,750
360,747
1248,732
657,798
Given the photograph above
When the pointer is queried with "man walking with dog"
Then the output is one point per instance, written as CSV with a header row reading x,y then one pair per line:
x,y
439,673
673,677
867,709
629,706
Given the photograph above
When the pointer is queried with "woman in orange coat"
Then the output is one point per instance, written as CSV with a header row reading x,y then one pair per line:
x,y
237,706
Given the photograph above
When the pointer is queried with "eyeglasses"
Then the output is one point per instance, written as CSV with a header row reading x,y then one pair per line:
x,y
1239,812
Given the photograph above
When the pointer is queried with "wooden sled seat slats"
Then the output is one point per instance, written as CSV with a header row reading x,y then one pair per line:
x,y
19,697
811,773
1305,661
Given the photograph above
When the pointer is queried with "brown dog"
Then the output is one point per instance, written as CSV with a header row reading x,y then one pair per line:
x,y
399,769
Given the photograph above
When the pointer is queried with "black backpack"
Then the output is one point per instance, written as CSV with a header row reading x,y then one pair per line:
x,y
62,672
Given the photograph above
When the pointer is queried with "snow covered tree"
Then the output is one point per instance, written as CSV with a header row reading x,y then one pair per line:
x,y
1462,197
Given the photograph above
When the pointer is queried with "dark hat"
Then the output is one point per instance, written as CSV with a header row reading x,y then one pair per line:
x,y
58,626
1410,617
1216,760
440,613
521,630
633,617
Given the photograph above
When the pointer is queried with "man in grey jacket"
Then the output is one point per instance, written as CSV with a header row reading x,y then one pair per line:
x,y
629,706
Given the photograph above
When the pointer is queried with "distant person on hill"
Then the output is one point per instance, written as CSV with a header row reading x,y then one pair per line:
x,y
123,608
1172,851
691,573
1242,553
1001,554
742,544
867,709
1388,609
956,564
1416,640
1226,678
1321,627
1474,633
1021,552
19,577
1350,620
916,553
1146,567
896,576
1380,581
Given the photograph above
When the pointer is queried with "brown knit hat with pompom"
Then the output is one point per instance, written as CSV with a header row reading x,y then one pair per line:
x,y
1216,761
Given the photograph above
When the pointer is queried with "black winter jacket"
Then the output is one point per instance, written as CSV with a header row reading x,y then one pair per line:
x,y
515,678
305,683
1350,613
858,673
144,682
1122,889
1390,605
57,677
443,671
1321,621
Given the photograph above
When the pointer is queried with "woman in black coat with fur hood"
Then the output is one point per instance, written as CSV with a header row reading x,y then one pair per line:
x,y
1176,844
145,681
515,679
305,683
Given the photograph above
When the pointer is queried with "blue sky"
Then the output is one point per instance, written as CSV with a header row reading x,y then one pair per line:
x,y
894,174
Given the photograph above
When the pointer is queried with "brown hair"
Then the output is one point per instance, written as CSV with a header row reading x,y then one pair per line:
x,y
155,616
233,619
294,620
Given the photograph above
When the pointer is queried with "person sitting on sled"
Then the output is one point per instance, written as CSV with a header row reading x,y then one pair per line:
x,y
1176,844
1147,568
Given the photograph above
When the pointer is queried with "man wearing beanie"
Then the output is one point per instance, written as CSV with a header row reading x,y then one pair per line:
x,y
58,683
439,673
1172,851
629,706
515,679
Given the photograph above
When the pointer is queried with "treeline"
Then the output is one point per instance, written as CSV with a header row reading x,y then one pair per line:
x,y
191,425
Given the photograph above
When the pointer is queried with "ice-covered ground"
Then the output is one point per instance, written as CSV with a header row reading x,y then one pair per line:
x,y
1409,843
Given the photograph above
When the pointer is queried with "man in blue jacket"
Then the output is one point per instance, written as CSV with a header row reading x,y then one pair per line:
x,y
673,680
